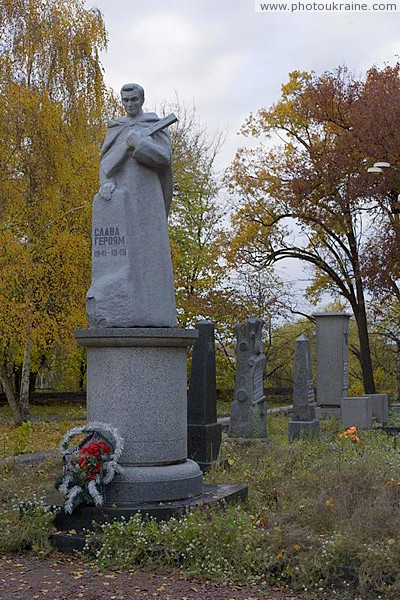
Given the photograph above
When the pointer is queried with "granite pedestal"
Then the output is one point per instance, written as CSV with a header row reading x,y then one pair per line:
x,y
301,429
136,382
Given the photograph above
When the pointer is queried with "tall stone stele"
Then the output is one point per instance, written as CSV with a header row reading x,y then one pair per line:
x,y
204,432
249,408
303,421
332,362
136,373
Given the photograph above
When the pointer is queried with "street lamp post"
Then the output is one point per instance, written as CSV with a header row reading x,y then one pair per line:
x,y
379,168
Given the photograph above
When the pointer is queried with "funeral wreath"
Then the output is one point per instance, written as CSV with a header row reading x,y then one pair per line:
x,y
90,465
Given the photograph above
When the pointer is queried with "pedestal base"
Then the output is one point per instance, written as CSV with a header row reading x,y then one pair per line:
x,y
136,382
155,484
204,442
248,420
328,411
90,517
300,429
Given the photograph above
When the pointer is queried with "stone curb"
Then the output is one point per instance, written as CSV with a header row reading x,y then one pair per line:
x,y
31,460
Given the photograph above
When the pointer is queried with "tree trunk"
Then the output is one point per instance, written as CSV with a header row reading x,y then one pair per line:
x,y
82,373
365,351
25,378
9,389
397,396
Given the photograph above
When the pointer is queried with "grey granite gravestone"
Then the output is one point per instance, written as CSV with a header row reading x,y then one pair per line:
x,y
136,374
380,407
332,362
303,422
357,412
204,433
249,408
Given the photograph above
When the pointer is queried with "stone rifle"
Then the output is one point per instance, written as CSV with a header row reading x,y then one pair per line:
x,y
161,124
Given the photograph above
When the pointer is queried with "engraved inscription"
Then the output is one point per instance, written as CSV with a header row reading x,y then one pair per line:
x,y
345,375
310,391
109,241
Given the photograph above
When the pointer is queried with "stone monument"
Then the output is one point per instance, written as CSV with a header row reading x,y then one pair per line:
x,y
357,412
136,374
303,422
204,433
332,362
249,408
380,407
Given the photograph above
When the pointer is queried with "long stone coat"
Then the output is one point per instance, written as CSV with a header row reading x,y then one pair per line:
x,y
132,280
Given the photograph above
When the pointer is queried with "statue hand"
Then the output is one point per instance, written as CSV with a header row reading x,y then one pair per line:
x,y
133,139
106,190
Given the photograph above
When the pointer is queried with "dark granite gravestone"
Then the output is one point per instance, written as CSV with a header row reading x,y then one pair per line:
x,y
304,422
249,408
204,433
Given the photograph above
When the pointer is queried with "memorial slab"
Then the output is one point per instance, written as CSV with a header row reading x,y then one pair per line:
x,y
332,362
380,407
357,412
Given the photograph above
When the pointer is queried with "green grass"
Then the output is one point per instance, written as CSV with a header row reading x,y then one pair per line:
x,y
32,437
44,411
323,515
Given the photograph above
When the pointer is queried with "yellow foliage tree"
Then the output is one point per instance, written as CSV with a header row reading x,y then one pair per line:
x,y
52,97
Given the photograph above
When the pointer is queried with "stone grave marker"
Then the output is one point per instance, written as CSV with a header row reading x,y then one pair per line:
x,y
249,408
380,407
332,362
204,433
357,412
304,422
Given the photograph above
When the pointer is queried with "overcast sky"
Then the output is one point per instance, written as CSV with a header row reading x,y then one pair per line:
x,y
228,60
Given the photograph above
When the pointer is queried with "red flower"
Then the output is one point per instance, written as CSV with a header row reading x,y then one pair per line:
x,y
91,449
105,448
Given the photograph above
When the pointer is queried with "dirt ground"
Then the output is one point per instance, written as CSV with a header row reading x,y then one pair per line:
x,y
58,577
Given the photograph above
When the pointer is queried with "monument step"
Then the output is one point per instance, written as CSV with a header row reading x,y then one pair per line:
x,y
87,517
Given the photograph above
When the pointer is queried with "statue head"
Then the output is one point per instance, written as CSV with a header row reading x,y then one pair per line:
x,y
132,97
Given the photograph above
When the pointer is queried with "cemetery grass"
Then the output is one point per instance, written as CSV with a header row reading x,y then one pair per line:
x,y
322,517
32,437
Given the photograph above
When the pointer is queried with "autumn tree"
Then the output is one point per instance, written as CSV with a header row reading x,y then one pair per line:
x,y
198,226
310,197
52,98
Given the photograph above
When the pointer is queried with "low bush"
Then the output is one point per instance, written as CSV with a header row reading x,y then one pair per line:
x,y
27,526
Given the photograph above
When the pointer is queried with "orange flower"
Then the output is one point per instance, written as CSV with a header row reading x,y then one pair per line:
x,y
350,433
